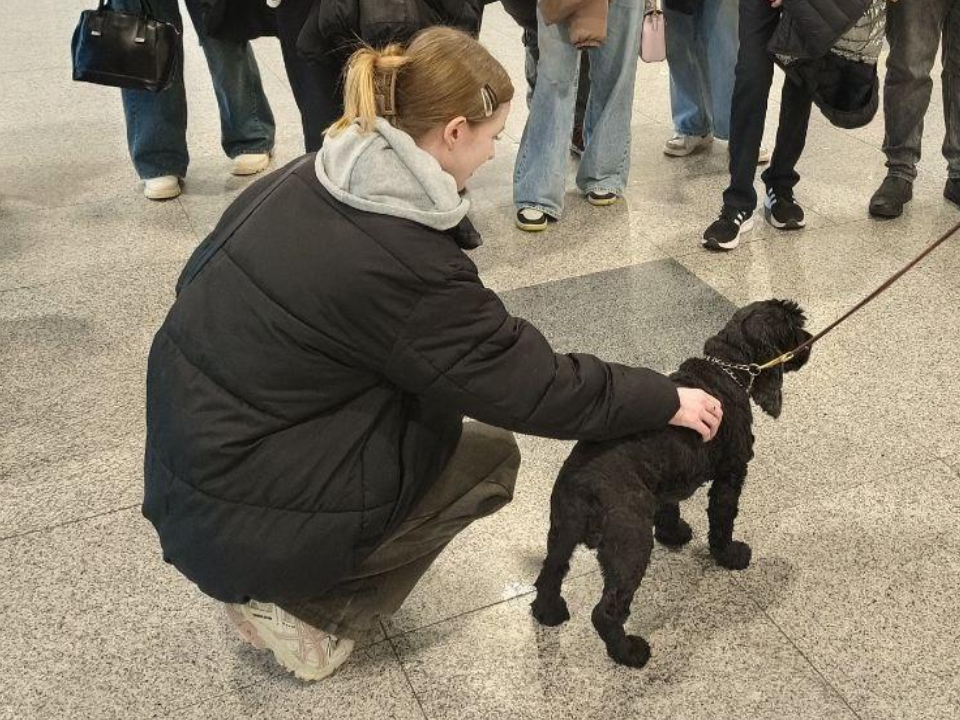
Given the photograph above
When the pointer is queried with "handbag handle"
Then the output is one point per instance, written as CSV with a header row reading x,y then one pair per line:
x,y
146,14
146,9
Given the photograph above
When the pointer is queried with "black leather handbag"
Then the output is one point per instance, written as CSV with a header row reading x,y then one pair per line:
x,y
127,50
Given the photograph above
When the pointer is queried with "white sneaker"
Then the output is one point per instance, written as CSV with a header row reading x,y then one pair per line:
x,y
250,163
683,145
308,653
763,156
166,187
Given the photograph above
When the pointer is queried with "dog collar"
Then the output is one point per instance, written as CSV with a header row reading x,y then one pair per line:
x,y
753,370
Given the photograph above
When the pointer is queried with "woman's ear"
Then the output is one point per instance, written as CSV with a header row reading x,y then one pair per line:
x,y
454,131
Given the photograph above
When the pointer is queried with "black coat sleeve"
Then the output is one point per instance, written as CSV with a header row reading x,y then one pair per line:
x,y
461,347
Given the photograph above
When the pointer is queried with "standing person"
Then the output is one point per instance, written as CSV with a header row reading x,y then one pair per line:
x,y
524,12
306,455
702,45
916,29
613,43
318,36
157,122
824,23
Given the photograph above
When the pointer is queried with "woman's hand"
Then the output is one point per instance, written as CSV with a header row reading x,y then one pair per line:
x,y
776,3
698,411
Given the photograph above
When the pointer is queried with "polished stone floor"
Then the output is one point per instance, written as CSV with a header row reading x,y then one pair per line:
x,y
850,609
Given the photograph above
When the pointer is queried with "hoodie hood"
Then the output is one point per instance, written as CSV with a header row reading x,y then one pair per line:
x,y
385,172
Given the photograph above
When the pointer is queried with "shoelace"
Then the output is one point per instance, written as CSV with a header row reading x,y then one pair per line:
x,y
737,218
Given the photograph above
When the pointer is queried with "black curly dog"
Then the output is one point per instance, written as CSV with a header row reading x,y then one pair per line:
x,y
618,496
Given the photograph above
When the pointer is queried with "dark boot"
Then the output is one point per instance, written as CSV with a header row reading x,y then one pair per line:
x,y
890,197
951,190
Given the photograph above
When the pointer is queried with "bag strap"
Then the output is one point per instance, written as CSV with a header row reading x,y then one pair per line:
x,y
216,240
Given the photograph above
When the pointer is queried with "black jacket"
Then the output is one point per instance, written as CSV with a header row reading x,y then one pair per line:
x,y
337,26
809,28
309,385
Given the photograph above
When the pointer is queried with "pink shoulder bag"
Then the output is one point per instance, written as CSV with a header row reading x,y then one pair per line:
x,y
653,36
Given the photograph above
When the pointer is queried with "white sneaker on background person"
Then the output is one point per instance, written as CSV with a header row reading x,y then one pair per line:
x,y
682,145
165,187
250,163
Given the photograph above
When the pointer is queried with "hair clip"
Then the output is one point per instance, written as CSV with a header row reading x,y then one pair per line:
x,y
489,98
386,99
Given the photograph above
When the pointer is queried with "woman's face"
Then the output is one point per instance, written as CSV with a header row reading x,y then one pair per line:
x,y
461,147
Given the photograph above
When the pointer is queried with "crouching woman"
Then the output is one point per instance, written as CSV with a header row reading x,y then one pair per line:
x,y
307,457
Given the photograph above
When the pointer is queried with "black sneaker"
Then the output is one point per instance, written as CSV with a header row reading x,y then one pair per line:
x,y
889,199
725,232
951,191
782,211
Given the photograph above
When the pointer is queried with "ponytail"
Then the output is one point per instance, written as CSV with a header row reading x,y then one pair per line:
x,y
444,73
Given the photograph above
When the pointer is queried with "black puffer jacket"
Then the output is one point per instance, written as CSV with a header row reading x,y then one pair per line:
x,y
309,384
809,28
336,26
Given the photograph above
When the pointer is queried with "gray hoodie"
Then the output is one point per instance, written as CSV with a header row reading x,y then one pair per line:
x,y
385,172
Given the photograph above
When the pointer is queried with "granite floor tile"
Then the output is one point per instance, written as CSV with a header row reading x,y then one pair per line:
x,y
97,238
98,626
866,584
370,685
714,655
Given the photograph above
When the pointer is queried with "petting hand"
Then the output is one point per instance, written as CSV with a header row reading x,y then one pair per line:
x,y
698,411
776,3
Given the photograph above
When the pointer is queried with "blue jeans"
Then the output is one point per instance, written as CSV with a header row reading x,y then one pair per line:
x,y
540,175
702,53
157,122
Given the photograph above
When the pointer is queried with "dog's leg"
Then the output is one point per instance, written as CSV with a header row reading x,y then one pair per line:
x,y
671,529
567,529
722,511
624,554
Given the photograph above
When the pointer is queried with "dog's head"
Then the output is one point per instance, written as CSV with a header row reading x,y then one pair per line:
x,y
757,334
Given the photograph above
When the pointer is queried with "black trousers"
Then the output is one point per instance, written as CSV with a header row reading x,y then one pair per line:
x,y
317,86
754,76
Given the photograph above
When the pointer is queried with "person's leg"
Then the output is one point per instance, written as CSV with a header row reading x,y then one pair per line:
x,y
913,31
246,122
687,76
157,122
583,91
795,107
951,89
719,28
478,481
754,75
541,168
316,85
605,166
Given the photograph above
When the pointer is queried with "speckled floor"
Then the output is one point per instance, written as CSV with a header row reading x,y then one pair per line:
x,y
850,609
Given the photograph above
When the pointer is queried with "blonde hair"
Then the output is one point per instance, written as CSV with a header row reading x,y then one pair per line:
x,y
442,74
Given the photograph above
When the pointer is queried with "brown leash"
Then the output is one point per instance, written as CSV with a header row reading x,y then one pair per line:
x,y
786,357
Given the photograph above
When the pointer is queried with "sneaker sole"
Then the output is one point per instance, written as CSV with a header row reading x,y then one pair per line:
x,y
686,152
716,246
773,222
605,202
250,169
532,228
167,195
249,632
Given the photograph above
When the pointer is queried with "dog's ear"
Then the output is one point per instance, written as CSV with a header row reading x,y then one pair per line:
x,y
767,391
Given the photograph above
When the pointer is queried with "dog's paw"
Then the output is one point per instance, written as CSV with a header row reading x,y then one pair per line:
x,y
632,651
735,556
675,536
550,613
